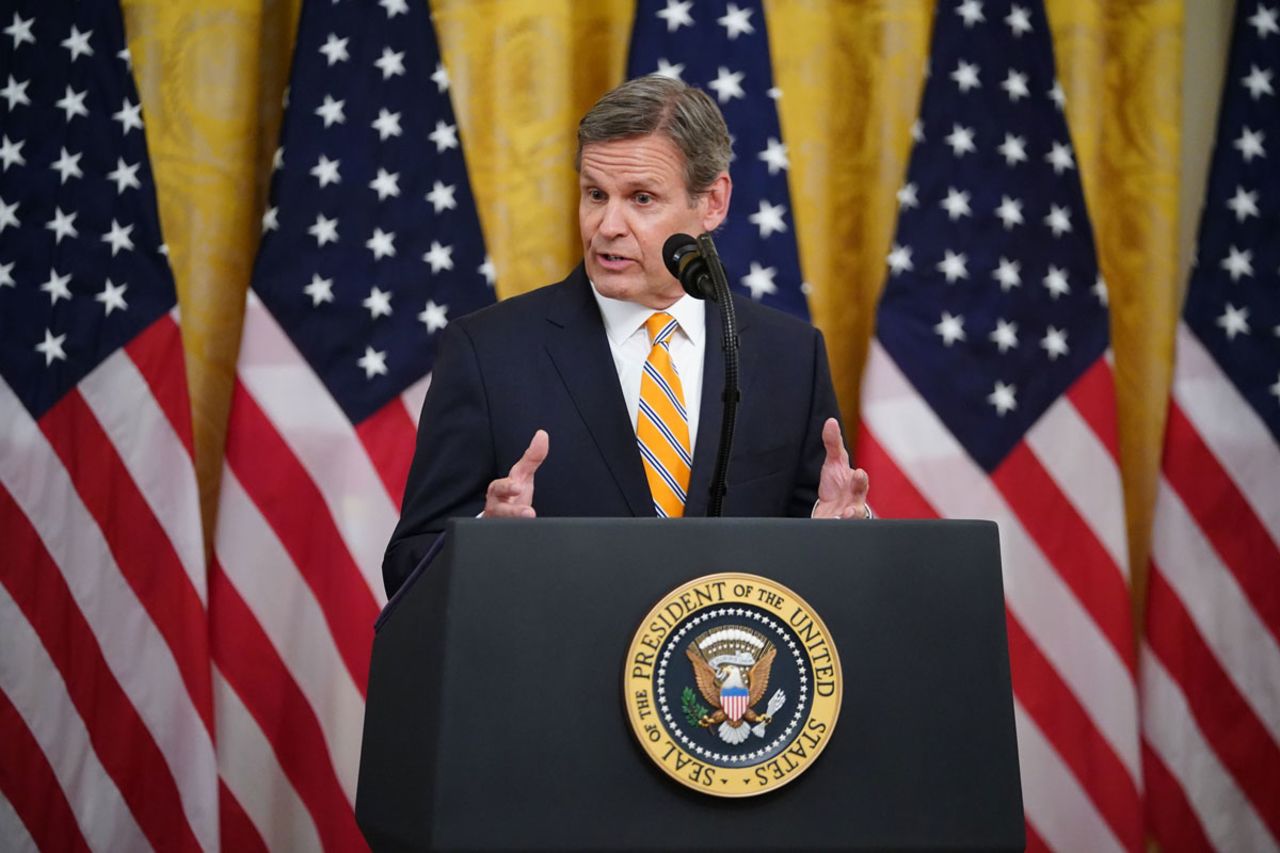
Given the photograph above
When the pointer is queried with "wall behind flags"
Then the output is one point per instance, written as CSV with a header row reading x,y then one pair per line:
x,y
212,74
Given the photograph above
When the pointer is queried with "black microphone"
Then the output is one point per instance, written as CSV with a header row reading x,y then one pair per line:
x,y
684,260
696,264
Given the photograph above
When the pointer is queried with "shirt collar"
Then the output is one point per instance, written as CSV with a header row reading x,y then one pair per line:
x,y
623,318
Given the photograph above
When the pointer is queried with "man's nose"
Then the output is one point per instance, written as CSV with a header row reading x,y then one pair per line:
x,y
613,223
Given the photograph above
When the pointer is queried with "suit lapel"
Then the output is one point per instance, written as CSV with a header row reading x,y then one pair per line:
x,y
579,349
711,414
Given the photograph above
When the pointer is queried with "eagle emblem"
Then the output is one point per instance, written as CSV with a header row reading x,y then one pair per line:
x,y
731,666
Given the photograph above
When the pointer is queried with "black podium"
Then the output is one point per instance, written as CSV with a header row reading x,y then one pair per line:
x,y
495,715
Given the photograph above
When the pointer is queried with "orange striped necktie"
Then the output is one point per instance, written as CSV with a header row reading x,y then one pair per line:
x,y
662,425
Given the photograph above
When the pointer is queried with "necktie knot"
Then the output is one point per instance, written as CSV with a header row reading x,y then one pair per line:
x,y
660,327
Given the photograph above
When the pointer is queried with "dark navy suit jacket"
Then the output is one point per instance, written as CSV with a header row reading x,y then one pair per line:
x,y
542,361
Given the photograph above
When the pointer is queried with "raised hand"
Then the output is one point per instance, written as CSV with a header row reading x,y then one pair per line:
x,y
512,496
842,491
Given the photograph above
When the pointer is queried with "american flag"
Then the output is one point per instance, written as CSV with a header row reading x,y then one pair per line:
x,y
371,246
989,394
1211,664
106,704
724,48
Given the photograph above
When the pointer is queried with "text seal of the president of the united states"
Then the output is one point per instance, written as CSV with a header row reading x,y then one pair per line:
x,y
732,684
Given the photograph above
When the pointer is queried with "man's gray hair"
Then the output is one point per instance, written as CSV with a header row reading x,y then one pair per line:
x,y
658,104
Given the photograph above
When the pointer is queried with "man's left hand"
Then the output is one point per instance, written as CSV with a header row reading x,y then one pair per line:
x,y
842,491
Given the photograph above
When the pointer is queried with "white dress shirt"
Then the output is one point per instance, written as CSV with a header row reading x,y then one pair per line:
x,y
629,343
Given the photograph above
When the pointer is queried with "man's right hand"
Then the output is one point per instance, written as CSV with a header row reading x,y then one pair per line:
x,y
512,496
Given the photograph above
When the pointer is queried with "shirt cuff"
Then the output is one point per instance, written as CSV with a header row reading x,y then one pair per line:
x,y
867,514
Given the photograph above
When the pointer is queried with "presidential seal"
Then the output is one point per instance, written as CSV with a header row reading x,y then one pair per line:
x,y
732,685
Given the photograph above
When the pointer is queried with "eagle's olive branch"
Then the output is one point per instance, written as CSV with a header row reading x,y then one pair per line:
x,y
694,711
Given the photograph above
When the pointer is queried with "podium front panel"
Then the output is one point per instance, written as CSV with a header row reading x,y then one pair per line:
x,y
495,716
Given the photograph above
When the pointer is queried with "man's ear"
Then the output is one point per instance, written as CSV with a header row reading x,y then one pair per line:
x,y
716,199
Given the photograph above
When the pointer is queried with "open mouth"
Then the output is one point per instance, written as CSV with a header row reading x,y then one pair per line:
x,y
610,262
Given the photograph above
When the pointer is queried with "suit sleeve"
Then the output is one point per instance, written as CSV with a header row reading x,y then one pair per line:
x,y
822,405
453,462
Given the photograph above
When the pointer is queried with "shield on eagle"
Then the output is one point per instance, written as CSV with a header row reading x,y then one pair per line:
x,y
734,702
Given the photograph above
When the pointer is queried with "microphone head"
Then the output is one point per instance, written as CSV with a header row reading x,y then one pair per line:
x,y
684,261
676,247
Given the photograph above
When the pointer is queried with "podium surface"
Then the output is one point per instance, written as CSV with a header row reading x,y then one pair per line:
x,y
495,714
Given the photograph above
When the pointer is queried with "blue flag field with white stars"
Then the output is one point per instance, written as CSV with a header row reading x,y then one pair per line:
x,y
994,305
371,244
724,49
1233,300
83,268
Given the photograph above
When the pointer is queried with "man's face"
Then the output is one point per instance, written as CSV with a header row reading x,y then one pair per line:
x,y
633,197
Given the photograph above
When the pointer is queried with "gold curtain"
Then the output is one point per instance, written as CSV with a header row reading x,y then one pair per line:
x,y
211,74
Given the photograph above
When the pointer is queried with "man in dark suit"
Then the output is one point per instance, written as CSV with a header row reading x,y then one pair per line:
x,y
569,363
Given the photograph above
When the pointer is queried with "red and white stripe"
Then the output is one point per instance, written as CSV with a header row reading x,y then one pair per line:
x,y
735,705
1211,667
1058,501
18,840
307,505
106,702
